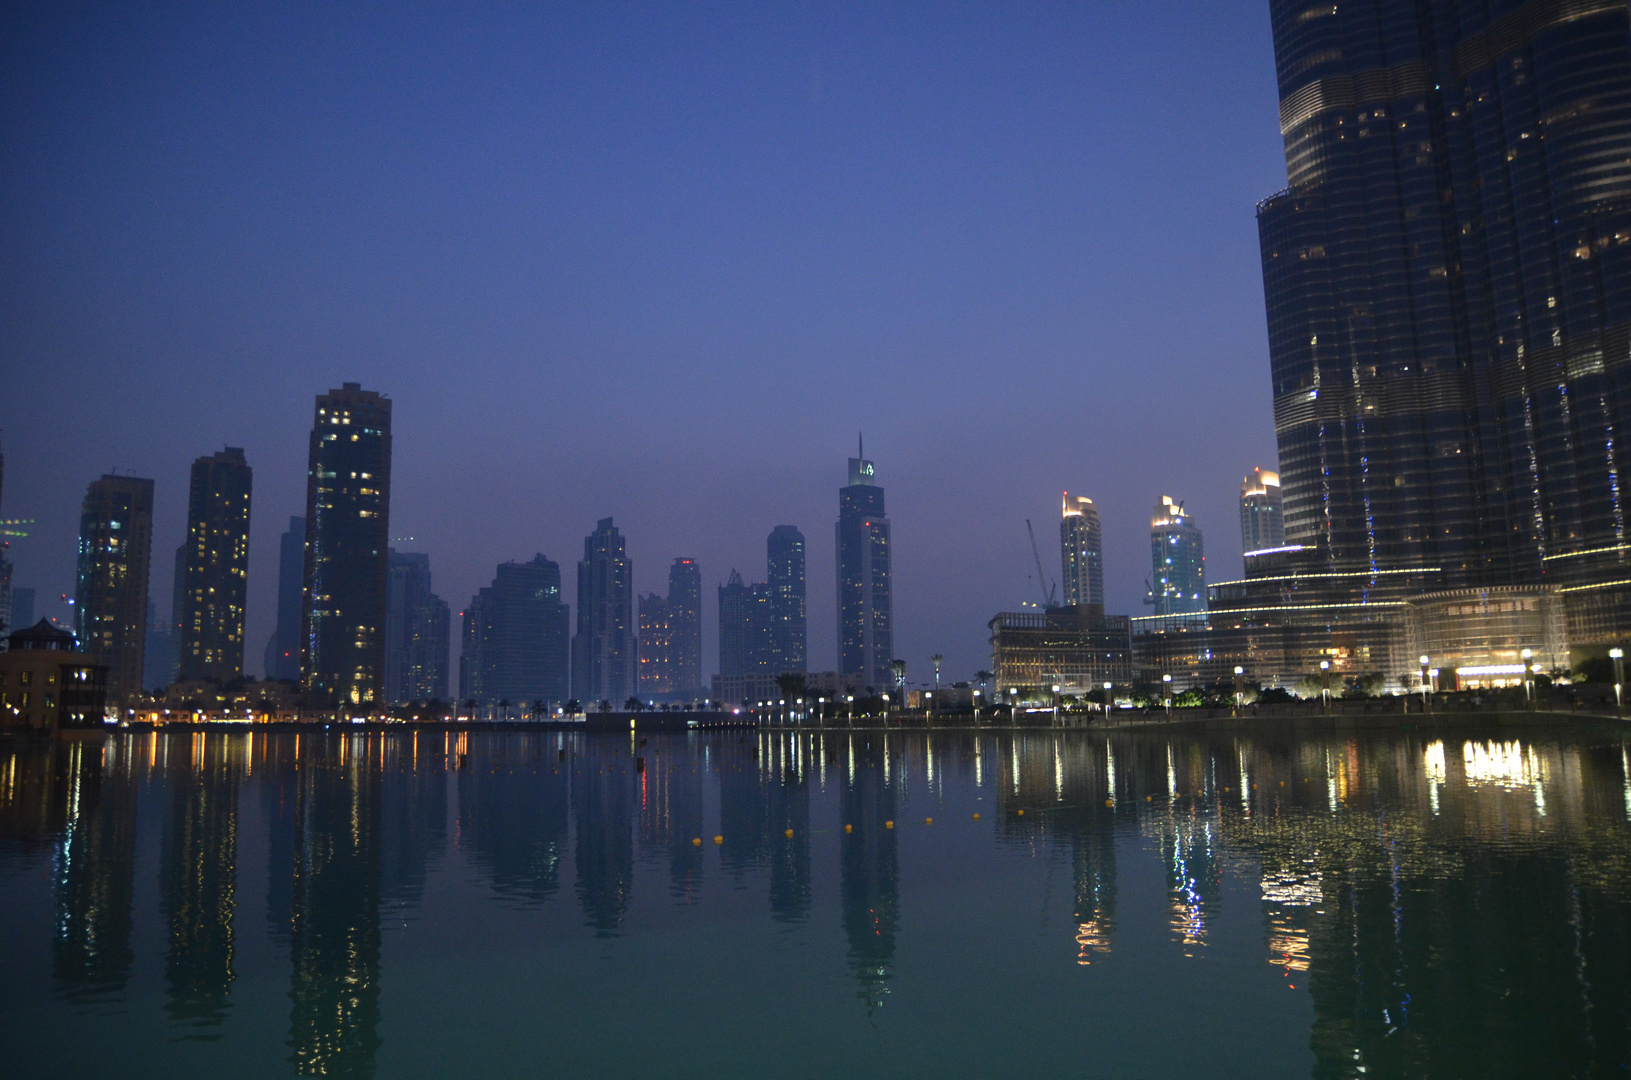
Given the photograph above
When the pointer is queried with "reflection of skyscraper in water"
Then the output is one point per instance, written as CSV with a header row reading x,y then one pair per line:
x,y
869,887
1194,876
787,799
197,885
413,818
1094,863
94,874
603,807
744,814
277,780
334,940
514,827
670,794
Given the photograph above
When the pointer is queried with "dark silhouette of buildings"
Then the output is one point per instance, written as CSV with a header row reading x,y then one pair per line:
x,y
784,551
416,632
283,650
159,658
762,626
866,638
1448,290
348,502
214,570
603,652
517,648
685,626
110,594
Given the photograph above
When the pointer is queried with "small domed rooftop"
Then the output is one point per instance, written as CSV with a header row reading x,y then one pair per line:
x,y
41,636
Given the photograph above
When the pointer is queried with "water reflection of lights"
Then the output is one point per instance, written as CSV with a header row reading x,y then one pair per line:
x,y
1503,764
1291,889
1288,945
1092,939
1187,920
1433,760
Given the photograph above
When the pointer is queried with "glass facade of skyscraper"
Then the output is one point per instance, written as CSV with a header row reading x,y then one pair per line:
x,y
1262,514
866,637
1448,287
348,505
110,594
1081,551
214,570
604,650
1177,561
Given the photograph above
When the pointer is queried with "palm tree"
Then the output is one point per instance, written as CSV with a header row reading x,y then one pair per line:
x,y
936,660
634,704
791,684
897,668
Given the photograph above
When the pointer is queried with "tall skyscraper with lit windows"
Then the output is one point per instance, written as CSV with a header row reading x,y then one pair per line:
x,y
685,625
348,505
784,559
1081,550
110,593
866,630
1262,514
1448,288
1177,561
214,570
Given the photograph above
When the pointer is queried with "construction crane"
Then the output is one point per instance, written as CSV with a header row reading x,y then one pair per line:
x,y
1042,583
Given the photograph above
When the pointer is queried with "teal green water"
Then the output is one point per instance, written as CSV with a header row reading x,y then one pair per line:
x,y
495,905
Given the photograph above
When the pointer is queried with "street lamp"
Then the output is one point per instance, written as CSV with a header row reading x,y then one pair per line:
x,y
1528,676
1108,687
1055,704
1617,655
1166,689
1426,705
1240,693
1325,685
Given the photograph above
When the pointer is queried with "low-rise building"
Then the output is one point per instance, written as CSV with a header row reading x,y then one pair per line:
x,y
46,685
1076,648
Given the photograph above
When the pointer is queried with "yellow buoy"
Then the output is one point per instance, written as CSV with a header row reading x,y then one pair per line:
x,y
1022,813
697,842
1109,802
889,824
1146,798
928,821
719,839
976,817
849,828
788,834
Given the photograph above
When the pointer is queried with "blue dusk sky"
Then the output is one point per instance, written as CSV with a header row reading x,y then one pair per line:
x,y
655,262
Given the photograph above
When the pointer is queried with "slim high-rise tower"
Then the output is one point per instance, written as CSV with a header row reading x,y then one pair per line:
x,y
603,652
1177,561
215,570
1262,515
348,505
865,612
416,632
110,593
784,558
1448,289
1081,550
282,657
685,625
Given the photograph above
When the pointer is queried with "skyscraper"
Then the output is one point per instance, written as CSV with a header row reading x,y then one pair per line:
x,y
1177,561
865,612
348,504
159,655
1262,516
215,570
685,625
746,629
1448,289
110,592
283,650
517,640
656,645
784,558
416,632
1081,550
603,652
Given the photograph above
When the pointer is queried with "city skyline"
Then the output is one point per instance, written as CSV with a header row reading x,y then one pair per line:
x,y
1013,270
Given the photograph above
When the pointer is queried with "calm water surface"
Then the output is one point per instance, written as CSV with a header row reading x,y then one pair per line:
x,y
403,905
